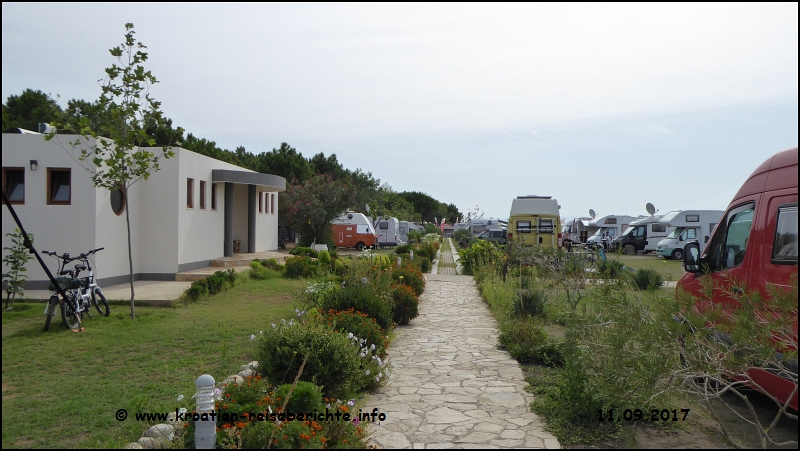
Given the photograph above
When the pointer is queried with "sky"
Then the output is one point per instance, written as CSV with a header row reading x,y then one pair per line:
x,y
601,106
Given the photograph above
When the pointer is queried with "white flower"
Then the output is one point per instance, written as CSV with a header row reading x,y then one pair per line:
x,y
372,347
262,332
351,403
180,397
182,410
377,378
350,335
252,336
273,324
367,372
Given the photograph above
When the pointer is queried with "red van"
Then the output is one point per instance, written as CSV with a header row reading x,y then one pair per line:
x,y
755,242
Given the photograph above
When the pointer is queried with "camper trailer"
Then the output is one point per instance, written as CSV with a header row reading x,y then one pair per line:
x,y
579,229
535,221
405,228
689,225
609,225
388,230
354,230
476,226
642,235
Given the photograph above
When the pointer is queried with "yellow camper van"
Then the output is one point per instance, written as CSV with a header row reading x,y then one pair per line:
x,y
535,221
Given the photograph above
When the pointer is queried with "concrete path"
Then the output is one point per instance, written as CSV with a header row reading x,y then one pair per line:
x,y
452,388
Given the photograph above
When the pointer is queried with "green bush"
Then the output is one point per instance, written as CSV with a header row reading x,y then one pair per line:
x,y
306,397
338,267
425,264
402,249
611,269
360,325
334,254
258,271
272,264
360,297
409,274
648,279
218,281
522,338
304,252
529,301
406,304
333,361
324,258
298,266
195,291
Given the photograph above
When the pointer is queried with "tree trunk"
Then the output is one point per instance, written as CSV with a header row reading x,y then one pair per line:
x,y
130,255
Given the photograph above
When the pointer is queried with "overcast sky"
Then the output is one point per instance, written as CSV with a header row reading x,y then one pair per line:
x,y
600,106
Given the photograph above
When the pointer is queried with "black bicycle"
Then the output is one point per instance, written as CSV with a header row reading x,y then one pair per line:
x,y
80,292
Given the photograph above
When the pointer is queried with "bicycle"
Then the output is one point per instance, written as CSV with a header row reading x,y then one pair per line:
x,y
79,292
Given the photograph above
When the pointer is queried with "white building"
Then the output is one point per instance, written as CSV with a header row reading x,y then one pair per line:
x,y
193,210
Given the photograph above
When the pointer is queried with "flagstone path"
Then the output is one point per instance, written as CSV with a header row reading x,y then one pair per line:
x,y
452,387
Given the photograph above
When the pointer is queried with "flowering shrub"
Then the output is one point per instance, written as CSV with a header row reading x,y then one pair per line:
x,y
409,274
359,296
358,324
297,267
271,263
405,304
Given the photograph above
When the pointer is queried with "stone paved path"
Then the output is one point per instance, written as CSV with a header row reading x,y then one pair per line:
x,y
452,388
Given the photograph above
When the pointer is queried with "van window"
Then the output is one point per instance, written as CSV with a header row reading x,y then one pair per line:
x,y
523,227
689,234
383,225
661,228
546,226
402,229
611,220
692,218
728,247
784,249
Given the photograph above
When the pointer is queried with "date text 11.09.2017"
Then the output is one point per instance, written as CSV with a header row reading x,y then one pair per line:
x,y
642,415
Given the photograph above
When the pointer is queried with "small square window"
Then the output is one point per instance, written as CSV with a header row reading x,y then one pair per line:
x,y
202,194
189,193
14,185
59,186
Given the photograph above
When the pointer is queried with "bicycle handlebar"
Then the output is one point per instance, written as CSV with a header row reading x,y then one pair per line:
x,y
92,252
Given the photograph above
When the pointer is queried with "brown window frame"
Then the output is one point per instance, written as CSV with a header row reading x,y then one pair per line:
x,y
213,196
202,194
272,204
7,191
50,174
189,192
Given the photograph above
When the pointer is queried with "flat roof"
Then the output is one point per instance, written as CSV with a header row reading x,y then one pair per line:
x,y
248,178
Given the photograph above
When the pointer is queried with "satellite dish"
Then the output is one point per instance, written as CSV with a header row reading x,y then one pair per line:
x,y
366,207
651,209
592,213
350,216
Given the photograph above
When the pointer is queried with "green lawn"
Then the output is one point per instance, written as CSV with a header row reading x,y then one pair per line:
x,y
62,389
671,270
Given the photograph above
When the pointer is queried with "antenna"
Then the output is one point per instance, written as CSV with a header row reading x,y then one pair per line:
x,y
592,213
651,209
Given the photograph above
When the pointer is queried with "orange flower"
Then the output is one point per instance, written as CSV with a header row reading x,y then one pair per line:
x,y
240,425
322,439
227,395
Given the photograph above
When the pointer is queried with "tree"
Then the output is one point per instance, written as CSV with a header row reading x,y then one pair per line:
x,y
28,110
313,204
132,115
16,258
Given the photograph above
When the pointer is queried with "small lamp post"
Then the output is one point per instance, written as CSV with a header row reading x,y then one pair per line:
x,y
205,433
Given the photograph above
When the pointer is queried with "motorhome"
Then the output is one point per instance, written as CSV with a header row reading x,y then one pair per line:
x,y
354,230
642,235
535,221
755,246
388,230
404,229
478,225
688,225
580,230
610,226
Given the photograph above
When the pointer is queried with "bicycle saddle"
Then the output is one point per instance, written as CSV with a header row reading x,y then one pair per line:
x,y
80,267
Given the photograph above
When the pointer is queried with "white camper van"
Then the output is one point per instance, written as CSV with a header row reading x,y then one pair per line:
x,y
404,229
388,230
613,225
689,225
642,235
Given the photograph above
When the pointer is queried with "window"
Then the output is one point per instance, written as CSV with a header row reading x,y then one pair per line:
x,y
213,196
261,202
59,190
661,228
272,204
383,225
202,194
727,250
784,249
402,229
689,234
523,227
546,226
14,184
692,218
118,200
611,220
189,193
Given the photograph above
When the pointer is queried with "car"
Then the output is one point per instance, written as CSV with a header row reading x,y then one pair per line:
x,y
496,236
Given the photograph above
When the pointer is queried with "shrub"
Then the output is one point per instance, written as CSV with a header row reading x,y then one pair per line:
x,y
611,269
425,264
360,297
272,264
409,274
406,304
402,249
195,291
324,258
333,361
338,267
298,267
334,254
529,301
648,279
304,252
360,325
522,337
218,281
306,397
258,271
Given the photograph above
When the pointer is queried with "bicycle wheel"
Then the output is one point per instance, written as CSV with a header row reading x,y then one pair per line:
x,y
52,305
102,304
71,319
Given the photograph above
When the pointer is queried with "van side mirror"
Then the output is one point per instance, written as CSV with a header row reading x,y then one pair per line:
x,y
705,240
691,257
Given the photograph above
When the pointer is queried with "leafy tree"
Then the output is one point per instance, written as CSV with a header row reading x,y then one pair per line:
x,y
391,204
123,159
28,109
313,204
16,258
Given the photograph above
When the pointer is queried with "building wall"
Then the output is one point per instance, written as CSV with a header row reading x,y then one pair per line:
x,y
267,223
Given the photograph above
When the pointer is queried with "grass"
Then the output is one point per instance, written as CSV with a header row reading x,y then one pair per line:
x,y
671,270
62,389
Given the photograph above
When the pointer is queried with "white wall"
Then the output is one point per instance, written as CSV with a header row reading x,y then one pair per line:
x,y
158,208
267,225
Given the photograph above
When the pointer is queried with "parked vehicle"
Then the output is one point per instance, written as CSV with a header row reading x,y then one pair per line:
x,y
688,225
610,226
404,228
579,229
354,230
642,235
478,225
388,230
497,236
755,243
80,291
535,221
